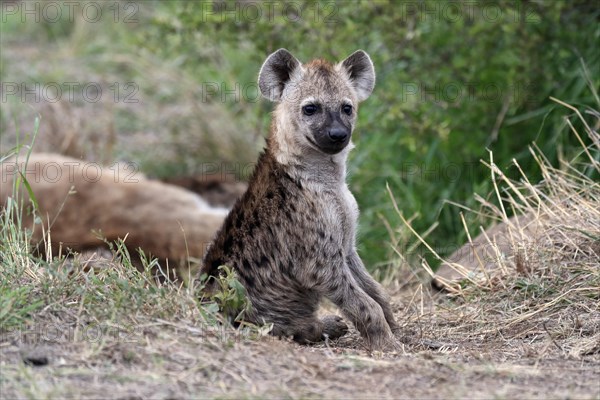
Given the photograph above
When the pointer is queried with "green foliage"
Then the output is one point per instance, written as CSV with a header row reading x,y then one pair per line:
x,y
230,295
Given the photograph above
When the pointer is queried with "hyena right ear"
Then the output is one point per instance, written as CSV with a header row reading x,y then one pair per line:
x,y
275,73
361,72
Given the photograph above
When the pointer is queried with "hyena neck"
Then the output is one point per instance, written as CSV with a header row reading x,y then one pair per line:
x,y
304,163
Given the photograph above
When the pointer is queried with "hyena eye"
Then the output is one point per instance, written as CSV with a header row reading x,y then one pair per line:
x,y
347,109
309,109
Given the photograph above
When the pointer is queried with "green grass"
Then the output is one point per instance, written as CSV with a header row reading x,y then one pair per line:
x,y
17,294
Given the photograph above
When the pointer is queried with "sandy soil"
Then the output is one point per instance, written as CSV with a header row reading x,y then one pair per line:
x,y
171,360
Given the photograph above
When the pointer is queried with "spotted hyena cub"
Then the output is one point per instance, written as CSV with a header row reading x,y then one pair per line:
x,y
291,237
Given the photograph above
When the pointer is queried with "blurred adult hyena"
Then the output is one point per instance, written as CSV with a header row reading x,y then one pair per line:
x,y
291,237
81,204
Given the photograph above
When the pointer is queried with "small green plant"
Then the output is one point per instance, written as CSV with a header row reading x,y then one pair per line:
x,y
230,296
17,293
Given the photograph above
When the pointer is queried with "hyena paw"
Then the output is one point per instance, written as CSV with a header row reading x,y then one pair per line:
x,y
394,327
381,339
334,327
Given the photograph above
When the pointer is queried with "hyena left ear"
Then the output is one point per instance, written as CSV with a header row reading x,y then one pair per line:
x,y
361,72
275,73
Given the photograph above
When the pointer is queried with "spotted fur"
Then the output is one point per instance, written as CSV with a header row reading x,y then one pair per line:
x,y
291,237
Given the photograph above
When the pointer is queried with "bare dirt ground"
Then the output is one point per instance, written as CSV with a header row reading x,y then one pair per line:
x,y
436,357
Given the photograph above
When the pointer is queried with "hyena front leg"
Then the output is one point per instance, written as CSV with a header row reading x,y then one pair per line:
x,y
360,308
371,287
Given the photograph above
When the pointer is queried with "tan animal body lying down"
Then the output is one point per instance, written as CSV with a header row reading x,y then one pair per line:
x,y
499,243
82,202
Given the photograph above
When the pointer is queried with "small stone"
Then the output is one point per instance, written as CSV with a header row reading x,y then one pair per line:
x,y
35,358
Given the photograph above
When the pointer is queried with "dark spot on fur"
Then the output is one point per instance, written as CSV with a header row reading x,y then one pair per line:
x,y
228,242
264,261
251,227
285,267
282,193
270,195
249,279
321,234
290,212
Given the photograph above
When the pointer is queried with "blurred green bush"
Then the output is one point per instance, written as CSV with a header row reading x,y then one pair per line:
x,y
453,78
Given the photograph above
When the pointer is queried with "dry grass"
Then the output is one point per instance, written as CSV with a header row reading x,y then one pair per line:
x,y
541,298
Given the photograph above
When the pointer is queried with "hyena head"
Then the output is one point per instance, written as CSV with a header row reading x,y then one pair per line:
x,y
317,101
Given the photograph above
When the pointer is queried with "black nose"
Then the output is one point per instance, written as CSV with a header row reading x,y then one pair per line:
x,y
338,134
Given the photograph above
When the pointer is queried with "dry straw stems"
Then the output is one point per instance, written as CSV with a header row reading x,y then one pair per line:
x,y
537,272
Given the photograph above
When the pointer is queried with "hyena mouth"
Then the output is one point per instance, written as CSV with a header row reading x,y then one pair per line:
x,y
327,146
